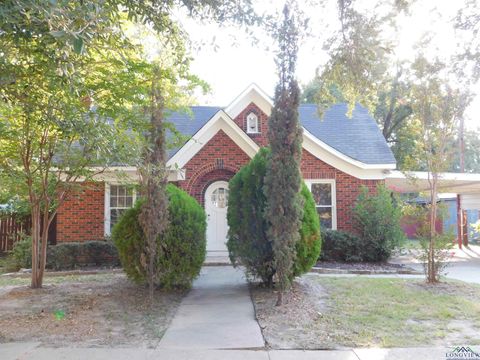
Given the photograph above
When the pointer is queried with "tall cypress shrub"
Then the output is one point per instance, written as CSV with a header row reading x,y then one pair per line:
x,y
248,245
283,179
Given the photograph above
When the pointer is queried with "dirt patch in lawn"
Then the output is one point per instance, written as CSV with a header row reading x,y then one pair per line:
x,y
89,310
294,325
336,313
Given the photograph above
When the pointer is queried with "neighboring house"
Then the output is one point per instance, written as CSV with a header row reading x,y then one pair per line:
x,y
449,222
340,154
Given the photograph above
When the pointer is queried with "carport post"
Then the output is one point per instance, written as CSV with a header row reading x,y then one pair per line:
x,y
459,222
465,227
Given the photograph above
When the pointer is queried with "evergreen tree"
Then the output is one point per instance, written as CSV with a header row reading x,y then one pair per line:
x,y
154,215
283,179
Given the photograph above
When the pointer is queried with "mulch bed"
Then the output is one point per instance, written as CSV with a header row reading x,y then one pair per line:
x,y
333,267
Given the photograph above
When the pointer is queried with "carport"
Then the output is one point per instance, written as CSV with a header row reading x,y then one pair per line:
x,y
466,186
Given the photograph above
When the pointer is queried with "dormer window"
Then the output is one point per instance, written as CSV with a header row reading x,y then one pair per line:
x,y
252,123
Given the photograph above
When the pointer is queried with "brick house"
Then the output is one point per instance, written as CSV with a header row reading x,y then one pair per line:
x,y
340,154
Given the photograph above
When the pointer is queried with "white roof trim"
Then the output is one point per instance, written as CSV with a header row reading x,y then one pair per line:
x,y
130,174
254,94
220,121
414,181
444,176
343,162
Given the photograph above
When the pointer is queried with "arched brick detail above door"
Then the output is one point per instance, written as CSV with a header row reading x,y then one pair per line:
x,y
219,159
198,186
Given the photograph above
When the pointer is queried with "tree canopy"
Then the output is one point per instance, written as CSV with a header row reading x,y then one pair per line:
x,y
74,91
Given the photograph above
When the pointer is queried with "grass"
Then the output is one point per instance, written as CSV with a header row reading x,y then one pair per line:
x,y
5,264
397,312
15,281
411,244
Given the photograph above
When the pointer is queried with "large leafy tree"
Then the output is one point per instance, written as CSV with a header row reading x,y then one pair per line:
x,y
359,70
61,107
283,179
70,85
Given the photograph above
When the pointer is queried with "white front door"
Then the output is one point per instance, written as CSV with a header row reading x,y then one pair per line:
x,y
216,202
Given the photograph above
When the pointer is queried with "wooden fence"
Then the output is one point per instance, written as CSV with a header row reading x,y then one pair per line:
x,y
11,230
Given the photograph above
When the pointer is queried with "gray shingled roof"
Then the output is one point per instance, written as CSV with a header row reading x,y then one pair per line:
x,y
189,124
358,137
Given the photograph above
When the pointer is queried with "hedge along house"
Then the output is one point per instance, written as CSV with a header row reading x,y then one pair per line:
x,y
340,154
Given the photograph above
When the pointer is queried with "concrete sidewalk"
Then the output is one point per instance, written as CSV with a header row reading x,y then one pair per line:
x,y
217,314
31,351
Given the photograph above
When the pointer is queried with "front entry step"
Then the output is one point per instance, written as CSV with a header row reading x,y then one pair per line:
x,y
217,258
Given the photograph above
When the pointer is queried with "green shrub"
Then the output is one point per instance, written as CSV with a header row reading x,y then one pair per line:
x,y
65,256
181,253
308,248
341,246
21,254
377,222
72,255
247,241
442,242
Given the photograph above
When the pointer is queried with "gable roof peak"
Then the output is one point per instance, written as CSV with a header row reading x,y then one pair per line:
x,y
252,94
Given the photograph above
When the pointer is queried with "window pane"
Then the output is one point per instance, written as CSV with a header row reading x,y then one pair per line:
x,y
114,216
113,190
122,191
325,216
121,201
129,201
113,201
220,197
252,123
322,193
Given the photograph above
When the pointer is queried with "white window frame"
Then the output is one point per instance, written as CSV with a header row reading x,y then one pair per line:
x,y
107,211
252,116
333,184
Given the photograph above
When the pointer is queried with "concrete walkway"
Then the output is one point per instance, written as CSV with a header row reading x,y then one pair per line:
x,y
217,314
32,351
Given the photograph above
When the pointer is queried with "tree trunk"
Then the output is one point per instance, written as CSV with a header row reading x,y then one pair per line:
x,y
36,220
279,298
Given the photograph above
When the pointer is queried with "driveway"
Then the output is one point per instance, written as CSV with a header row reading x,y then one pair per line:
x,y
464,265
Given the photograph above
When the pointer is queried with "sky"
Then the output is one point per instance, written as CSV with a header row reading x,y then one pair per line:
x,y
227,59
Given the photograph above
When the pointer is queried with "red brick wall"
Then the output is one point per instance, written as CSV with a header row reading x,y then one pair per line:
x,y
81,216
219,159
241,120
347,187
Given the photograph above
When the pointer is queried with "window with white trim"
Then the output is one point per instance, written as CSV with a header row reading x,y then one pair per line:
x,y
324,194
252,123
122,197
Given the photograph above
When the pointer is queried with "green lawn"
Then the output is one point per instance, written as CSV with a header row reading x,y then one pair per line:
x,y
397,312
